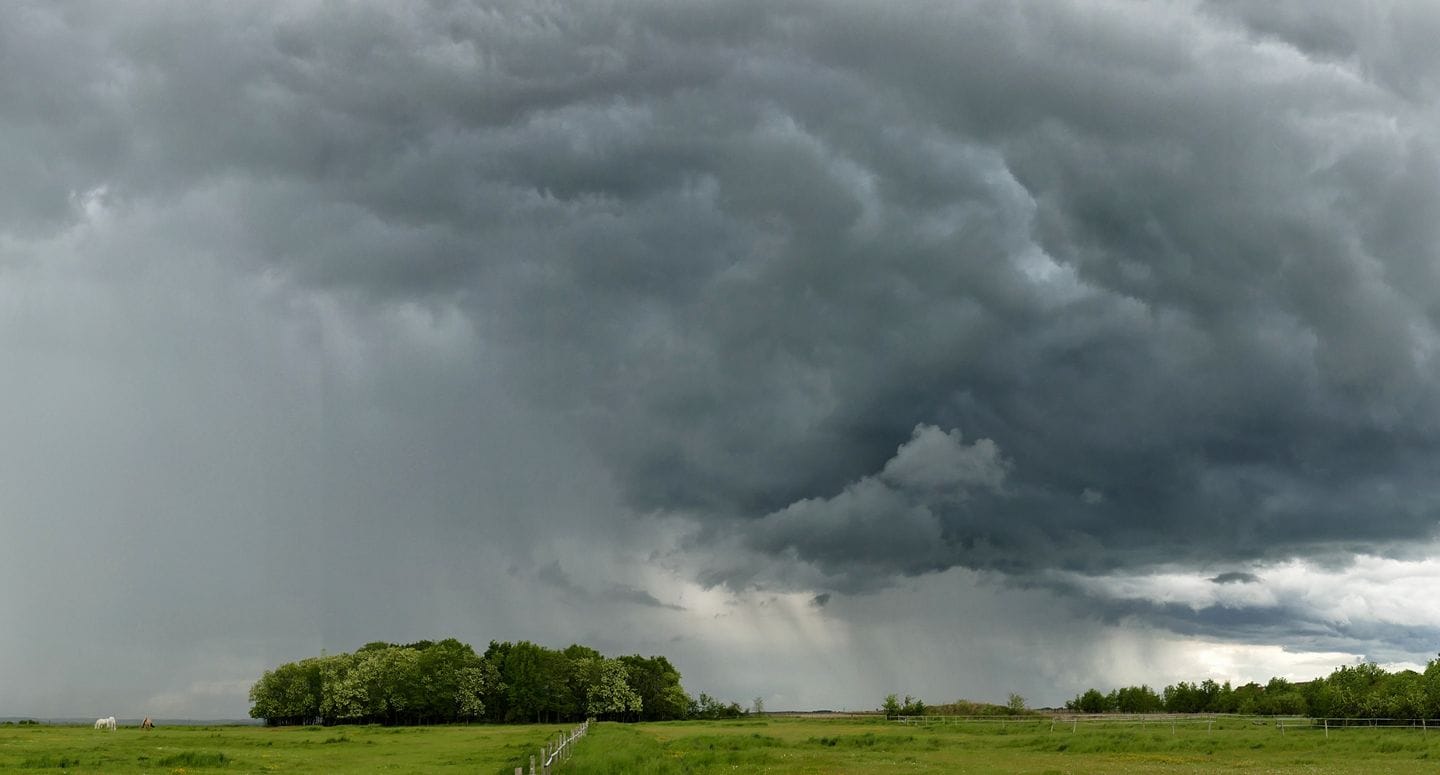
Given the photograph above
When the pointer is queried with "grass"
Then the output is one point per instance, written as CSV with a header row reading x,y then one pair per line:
x,y
776,745
834,746
81,750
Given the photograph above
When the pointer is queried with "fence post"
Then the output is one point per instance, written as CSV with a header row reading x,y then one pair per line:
x,y
1327,728
532,764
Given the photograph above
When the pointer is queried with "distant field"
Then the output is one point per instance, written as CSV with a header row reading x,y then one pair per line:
x,y
81,750
863,747
776,745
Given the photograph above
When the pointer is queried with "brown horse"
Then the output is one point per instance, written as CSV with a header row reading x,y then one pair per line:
x,y
147,723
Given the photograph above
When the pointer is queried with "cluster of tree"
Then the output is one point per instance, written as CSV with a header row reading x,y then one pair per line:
x,y
1014,706
892,706
433,682
708,707
1358,691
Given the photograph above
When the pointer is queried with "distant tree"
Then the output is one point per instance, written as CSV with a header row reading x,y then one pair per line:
x,y
525,682
1137,699
289,694
672,703
611,696
710,708
473,684
391,682
343,693
1015,704
439,666
657,682
1184,697
758,706
1247,698
445,681
1092,701
1430,688
891,706
497,695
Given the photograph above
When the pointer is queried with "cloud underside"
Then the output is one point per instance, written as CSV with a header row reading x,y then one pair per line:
x,y
1061,292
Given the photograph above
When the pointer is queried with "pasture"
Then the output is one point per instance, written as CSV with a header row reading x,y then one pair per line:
x,y
861,746
776,745
81,750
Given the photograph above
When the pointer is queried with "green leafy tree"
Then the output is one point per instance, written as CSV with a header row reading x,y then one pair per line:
x,y
657,682
472,685
525,682
446,681
289,694
1092,701
390,679
610,696
710,708
1137,699
342,692
439,666
497,696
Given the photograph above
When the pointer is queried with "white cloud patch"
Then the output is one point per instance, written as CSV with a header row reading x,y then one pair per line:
x,y
1380,607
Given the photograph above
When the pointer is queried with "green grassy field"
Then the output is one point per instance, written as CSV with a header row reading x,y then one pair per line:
x,y
244,749
866,746
777,745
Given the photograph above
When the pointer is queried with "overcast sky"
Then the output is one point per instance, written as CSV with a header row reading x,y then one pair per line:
x,y
830,349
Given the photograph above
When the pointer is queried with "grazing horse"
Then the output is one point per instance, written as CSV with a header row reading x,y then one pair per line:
x,y
147,723
105,723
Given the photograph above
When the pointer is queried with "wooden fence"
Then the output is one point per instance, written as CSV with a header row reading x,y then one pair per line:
x,y
556,751
1292,722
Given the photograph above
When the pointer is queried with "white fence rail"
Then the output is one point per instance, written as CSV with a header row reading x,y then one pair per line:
x,y
1350,723
556,751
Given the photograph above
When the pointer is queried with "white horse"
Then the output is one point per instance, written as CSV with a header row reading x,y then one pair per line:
x,y
105,723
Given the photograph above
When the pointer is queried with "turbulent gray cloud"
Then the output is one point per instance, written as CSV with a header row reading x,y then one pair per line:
x,y
812,297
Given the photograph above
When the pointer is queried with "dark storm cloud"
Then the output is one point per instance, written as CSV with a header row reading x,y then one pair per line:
x,y
1014,287
1235,577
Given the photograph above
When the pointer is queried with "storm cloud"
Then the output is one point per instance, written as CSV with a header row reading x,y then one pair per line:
x,y
644,300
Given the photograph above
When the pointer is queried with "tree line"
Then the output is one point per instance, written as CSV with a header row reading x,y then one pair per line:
x,y
892,707
1365,690
439,682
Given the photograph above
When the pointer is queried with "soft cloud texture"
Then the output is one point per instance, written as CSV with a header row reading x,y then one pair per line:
x,y
719,330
